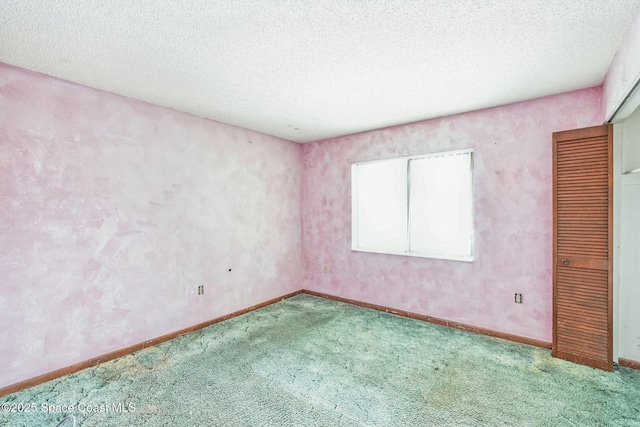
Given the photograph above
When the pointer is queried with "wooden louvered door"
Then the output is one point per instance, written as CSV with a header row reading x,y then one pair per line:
x,y
582,246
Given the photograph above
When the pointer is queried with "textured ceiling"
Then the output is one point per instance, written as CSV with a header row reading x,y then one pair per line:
x,y
309,70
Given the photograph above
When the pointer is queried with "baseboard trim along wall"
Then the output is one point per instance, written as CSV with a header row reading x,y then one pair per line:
x,y
13,388
451,324
628,363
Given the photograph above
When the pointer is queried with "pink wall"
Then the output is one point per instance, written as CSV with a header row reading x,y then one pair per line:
x,y
513,219
624,71
113,211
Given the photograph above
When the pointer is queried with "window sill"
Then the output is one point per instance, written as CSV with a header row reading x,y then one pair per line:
x,y
418,255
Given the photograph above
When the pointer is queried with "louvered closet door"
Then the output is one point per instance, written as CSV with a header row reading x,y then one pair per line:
x,y
582,285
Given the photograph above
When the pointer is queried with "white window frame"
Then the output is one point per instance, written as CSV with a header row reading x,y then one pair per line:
x,y
406,250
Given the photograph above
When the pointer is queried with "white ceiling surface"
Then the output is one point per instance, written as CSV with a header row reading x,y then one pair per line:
x,y
310,70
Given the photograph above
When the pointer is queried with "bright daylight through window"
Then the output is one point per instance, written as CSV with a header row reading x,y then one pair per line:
x,y
418,205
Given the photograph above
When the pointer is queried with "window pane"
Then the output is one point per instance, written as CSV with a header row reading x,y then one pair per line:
x,y
440,208
381,206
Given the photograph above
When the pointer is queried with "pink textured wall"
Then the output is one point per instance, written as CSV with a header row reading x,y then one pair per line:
x,y
624,71
513,218
113,211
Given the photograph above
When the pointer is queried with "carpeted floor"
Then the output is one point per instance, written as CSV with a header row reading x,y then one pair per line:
x,y
308,361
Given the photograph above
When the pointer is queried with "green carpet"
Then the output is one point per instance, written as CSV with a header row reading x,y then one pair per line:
x,y
308,361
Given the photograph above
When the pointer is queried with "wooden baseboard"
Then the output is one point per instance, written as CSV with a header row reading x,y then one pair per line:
x,y
13,388
628,363
438,321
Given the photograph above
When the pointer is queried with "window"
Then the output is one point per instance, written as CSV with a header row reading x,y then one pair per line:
x,y
418,205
